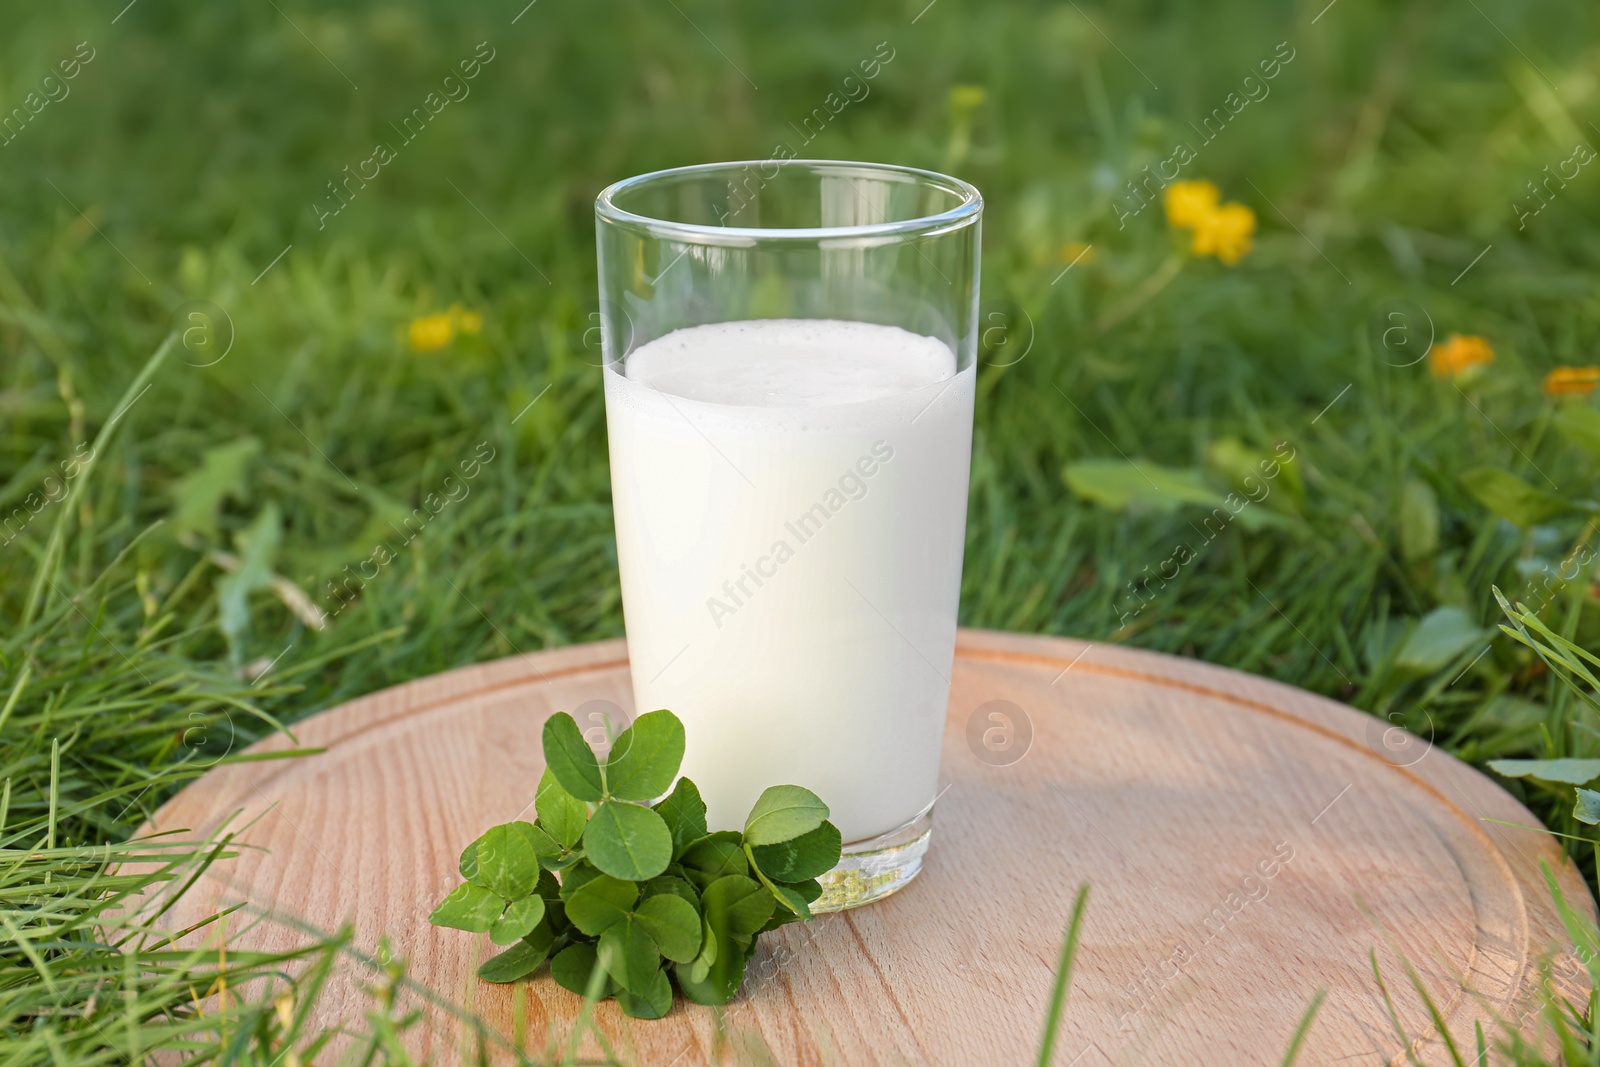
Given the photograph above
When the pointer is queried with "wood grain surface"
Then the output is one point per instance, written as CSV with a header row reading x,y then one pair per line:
x,y
1247,844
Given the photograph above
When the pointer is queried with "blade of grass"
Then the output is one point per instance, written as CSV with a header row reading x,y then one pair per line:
x,y
1293,1051
1058,996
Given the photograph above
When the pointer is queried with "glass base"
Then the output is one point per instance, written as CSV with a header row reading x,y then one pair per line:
x,y
871,870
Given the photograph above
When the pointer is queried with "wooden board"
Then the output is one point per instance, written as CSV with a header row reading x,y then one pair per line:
x,y
1247,843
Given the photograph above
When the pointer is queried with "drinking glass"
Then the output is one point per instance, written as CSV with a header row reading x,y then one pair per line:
x,y
789,368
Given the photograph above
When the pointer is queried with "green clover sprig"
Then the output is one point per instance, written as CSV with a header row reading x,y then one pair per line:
x,y
646,896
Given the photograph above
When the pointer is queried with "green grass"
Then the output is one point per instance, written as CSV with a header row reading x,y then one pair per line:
x,y
192,146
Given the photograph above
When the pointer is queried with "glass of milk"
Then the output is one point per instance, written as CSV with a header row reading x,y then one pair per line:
x,y
789,373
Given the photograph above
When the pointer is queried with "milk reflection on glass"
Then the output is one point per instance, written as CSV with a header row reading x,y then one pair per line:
x,y
790,499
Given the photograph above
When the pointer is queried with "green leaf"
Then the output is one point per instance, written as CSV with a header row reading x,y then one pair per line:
x,y
468,907
198,496
685,815
469,862
570,758
1580,425
707,955
645,757
560,813
1513,499
600,903
508,859
791,900
1587,807
808,891
807,856
561,861
258,550
722,979
548,887
628,841
574,966
651,1003
1569,770
555,905
521,959
794,902
713,857
672,923
1419,521
1261,477
782,813
1442,635
1116,484
577,877
520,917
737,908
669,883
629,956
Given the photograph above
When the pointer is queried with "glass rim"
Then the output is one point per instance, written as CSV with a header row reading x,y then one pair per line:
x,y
968,208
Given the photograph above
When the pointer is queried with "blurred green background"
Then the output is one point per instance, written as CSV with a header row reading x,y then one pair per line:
x,y
1388,167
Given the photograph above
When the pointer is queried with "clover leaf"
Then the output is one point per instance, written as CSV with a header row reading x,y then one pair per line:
x,y
521,959
468,907
625,900
654,1002
628,841
507,858
807,856
672,923
570,758
601,903
520,917
561,814
685,815
645,757
782,813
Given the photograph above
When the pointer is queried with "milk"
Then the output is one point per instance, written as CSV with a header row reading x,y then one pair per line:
x,y
790,510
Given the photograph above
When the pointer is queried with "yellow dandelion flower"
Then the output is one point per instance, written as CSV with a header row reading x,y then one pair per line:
x,y
1571,381
1225,232
1188,203
1458,355
432,332
1077,252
